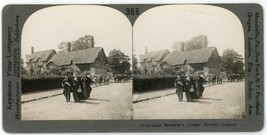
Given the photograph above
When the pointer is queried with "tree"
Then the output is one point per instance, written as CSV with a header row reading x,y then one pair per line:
x,y
62,46
178,46
135,67
197,43
232,62
118,62
82,43
22,68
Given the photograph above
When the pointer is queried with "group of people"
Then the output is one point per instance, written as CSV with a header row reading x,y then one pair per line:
x,y
192,85
121,78
79,86
235,77
99,80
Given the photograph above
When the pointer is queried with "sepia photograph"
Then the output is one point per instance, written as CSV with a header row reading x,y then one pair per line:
x,y
133,68
76,63
188,63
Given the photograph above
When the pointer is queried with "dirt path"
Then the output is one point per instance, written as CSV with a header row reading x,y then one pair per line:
x,y
113,101
226,101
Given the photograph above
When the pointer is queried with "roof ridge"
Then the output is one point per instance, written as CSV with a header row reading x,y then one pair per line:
x,y
81,56
81,50
199,55
43,51
158,50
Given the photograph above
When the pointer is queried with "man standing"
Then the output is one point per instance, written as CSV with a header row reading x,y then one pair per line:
x,y
179,85
189,87
76,89
66,84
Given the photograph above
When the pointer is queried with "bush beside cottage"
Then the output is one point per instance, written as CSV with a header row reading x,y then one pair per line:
x,y
143,83
40,83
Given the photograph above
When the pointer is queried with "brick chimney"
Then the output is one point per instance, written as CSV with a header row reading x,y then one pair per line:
x,y
91,42
68,47
146,50
203,41
181,47
32,50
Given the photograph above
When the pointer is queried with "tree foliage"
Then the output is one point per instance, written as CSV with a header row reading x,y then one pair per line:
x,y
232,62
196,43
82,43
118,62
62,46
135,67
22,68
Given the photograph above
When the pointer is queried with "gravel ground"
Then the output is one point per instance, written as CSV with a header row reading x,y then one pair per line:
x,y
113,101
226,101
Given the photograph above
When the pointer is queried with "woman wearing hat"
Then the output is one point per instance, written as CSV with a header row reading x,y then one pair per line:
x,y
86,83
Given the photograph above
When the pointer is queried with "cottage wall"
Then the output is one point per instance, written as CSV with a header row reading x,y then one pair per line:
x,y
84,67
99,66
36,67
151,64
98,71
75,68
212,66
151,67
197,67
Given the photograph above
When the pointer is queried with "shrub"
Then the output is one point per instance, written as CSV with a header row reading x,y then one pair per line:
x,y
150,83
40,83
159,72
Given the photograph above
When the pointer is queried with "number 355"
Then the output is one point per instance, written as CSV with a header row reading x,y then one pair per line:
x,y
132,11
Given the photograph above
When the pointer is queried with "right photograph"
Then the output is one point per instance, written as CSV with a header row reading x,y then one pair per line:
x,y
188,63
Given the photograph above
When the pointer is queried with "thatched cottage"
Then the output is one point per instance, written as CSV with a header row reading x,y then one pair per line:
x,y
37,61
150,61
206,60
92,60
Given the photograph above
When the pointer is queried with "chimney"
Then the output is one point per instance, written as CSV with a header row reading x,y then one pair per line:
x,y
92,42
68,47
203,41
32,49
181,46
146,50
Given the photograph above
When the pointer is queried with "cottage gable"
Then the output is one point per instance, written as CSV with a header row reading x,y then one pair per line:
x,y
154,56
43,56
151,60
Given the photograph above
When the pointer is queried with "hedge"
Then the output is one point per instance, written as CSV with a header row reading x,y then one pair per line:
x,y
40,83
140,83
150,83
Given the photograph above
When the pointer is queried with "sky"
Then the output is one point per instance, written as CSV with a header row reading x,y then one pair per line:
x,y
157,28
48,27
160,27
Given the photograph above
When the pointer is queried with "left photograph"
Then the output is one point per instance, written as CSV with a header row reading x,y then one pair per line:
x,y
76,64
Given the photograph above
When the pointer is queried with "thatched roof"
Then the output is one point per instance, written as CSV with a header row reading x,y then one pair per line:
x,y
76,57
155,55
194,56
43,55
